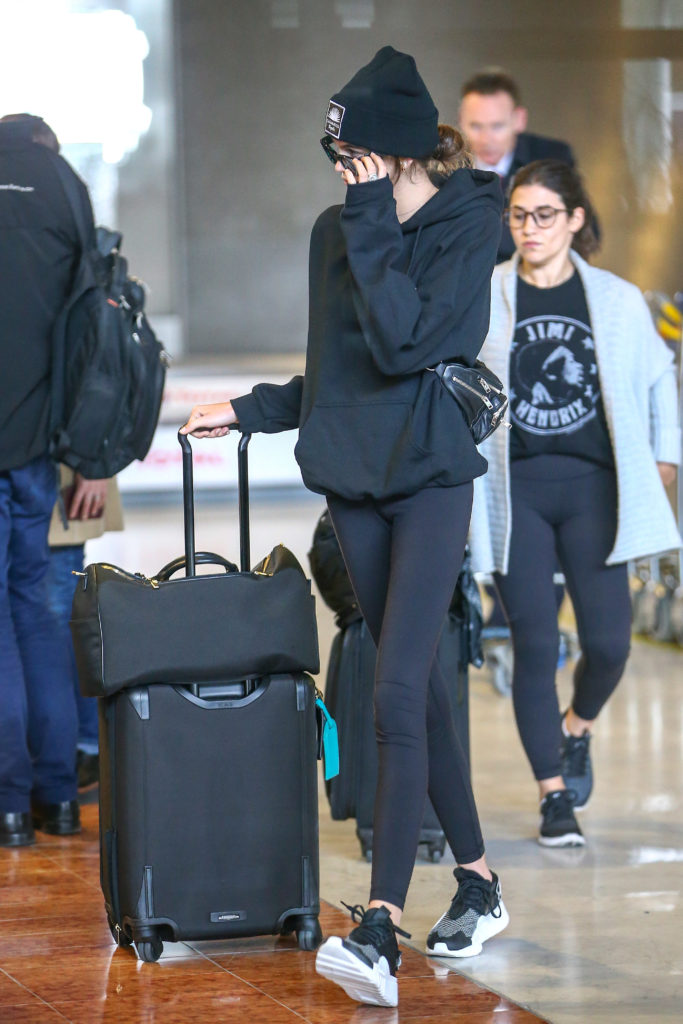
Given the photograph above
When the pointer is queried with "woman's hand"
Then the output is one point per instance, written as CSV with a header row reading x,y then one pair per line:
x,y
88,498
368,168
210,420
667,472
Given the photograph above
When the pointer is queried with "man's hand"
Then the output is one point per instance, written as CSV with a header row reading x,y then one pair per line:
x,y
667,472
88,499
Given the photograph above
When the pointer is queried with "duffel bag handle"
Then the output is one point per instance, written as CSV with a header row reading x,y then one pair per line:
x,y
188,501
200,558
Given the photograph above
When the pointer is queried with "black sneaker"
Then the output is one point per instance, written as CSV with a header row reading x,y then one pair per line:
x,y
559,827
577,770
366,961
476,913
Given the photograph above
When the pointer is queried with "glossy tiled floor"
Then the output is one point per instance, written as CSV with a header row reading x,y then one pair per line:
x,y
58,963
594,935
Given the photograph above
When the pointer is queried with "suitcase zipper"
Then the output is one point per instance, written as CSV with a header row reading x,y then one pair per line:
x,y
120,572
132,576
154,583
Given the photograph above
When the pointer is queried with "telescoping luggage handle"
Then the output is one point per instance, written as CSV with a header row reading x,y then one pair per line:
x,y
188,502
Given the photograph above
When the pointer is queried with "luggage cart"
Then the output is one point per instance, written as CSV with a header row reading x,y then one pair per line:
x,y
656,583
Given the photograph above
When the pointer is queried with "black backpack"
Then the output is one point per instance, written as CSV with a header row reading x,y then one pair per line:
x,y
108,368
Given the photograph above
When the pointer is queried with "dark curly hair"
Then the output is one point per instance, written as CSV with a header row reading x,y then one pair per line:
x,y
567,183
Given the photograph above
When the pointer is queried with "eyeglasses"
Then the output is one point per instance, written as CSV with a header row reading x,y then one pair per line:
x,y
336,157
542,216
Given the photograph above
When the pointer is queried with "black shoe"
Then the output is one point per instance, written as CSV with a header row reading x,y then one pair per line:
x,y
16,829
63,819
87,769
577,770
559,827
364,963
476,913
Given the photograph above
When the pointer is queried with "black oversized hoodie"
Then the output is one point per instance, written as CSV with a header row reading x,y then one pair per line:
x,y
386,301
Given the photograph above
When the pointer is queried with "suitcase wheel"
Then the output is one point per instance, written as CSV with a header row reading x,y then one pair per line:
x,y
308,933
307,928
150,950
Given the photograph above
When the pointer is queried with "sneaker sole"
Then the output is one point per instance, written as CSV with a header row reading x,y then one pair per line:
x,y
485,930
375,985
569,839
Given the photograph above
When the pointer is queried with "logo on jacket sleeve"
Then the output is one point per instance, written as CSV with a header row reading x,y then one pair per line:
x,y
333,121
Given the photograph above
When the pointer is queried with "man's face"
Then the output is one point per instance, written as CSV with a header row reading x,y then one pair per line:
x,y
491,124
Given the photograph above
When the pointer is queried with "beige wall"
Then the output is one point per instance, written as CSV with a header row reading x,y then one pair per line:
x,y
253,83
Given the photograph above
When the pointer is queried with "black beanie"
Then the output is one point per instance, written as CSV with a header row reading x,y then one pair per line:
x,y
386,107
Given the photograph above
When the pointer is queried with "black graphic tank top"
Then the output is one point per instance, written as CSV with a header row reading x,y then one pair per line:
x,y
555,402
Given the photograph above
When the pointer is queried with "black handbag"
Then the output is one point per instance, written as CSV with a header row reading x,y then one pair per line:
x,y
222,627
479,394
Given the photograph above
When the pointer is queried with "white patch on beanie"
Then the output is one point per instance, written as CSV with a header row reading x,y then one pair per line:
x,y
334,118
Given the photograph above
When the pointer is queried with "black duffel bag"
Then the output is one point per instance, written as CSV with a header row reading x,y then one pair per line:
x,y
129,629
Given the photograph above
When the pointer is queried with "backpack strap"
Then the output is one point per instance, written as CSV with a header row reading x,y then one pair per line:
x,y
84,278
84,224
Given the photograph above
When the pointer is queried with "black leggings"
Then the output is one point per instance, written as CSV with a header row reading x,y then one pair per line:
x,y
403,556
563,508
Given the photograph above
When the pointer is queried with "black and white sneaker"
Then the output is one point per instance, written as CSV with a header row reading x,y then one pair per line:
x,y
366,961
577,769
476,913
559,826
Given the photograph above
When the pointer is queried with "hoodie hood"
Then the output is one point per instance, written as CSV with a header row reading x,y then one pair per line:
x,y
461,189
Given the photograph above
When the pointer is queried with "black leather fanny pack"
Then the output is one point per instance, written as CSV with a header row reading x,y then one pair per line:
x,y
479,394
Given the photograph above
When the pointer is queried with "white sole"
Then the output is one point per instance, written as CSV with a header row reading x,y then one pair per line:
x,y
375,985
569,839
486,928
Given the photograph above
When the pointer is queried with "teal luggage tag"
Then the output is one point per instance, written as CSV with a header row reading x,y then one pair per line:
x,y
330,740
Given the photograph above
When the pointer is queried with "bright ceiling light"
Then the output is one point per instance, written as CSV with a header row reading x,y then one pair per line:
x,y
82,72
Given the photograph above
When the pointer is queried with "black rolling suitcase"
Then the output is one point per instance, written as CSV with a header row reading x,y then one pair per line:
x,y
208,799
350,684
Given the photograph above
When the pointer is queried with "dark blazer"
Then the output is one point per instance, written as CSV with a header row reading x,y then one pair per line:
x,y
529,148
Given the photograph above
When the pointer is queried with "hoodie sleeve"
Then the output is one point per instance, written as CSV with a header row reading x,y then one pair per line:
x,y
408,326
270,408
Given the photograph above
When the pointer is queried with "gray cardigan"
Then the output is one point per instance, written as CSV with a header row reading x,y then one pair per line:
x,y
638,383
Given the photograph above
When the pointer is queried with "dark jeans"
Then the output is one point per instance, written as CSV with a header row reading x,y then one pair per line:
x,y
61,583
37,707
403,556
566,509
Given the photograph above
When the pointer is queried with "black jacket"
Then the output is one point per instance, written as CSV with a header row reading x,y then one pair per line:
x,y
39,249
529,148
386,301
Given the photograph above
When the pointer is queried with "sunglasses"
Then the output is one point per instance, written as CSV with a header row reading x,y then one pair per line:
x,y
336,157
